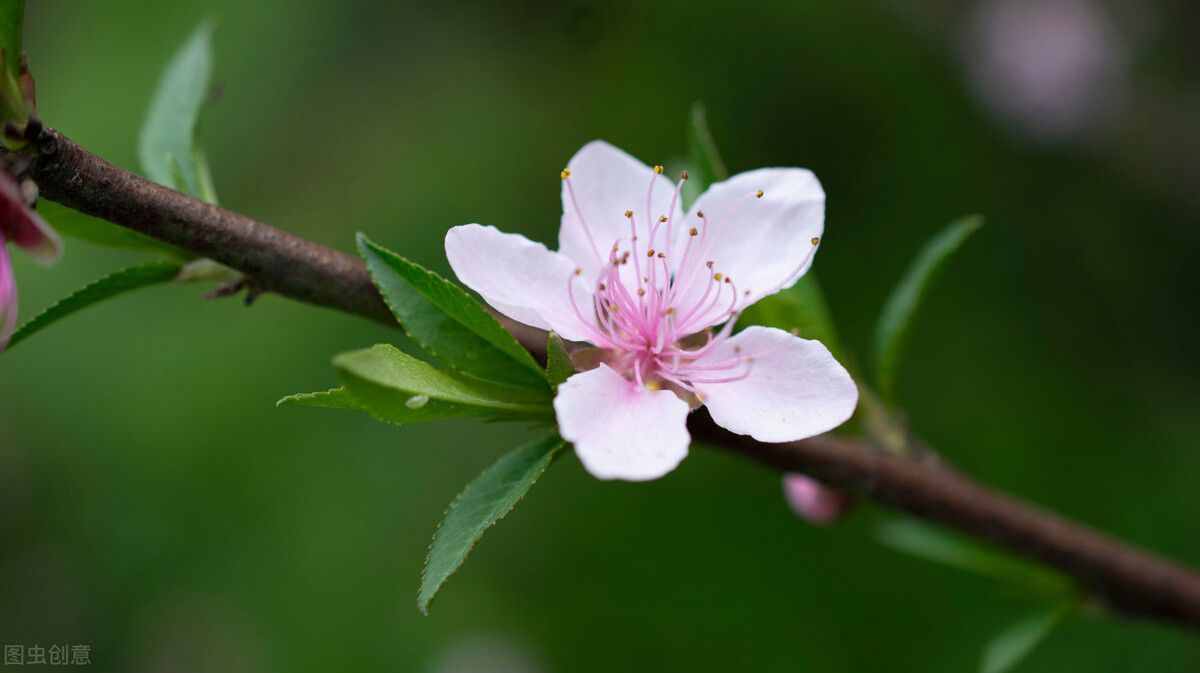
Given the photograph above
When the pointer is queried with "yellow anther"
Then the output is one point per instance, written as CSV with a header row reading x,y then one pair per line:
x,y
816,240
578,272
693,231
718,276
566,173
650,252
658,169
641,292
662,218
629,214
653,385
670,311
759,194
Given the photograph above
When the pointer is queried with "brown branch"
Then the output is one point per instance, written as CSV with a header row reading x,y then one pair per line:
x,y
1132,582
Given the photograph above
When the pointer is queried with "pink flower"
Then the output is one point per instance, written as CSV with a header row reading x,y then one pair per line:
x,y
25,228
813,501
638,279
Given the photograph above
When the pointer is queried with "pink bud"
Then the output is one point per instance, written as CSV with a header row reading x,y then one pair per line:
x,y
813,501
19,225
23,226
8,296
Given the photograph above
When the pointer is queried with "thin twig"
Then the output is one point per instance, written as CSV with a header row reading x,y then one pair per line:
x,y
1132,582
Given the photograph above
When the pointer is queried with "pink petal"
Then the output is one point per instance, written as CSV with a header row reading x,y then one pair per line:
x,y
520,278
620,430
794,389
25,227
813,501
8,296
763,243
607,182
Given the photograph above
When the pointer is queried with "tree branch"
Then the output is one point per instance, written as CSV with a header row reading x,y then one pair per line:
x,y
1132,582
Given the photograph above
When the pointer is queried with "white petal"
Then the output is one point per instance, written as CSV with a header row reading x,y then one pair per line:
x,y
795,389
621,430
606,183
763,243
519,278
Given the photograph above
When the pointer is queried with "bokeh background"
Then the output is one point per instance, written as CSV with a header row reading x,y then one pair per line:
x,y
154,503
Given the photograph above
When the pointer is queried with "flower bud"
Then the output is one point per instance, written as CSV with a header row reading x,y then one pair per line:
x,y
813,501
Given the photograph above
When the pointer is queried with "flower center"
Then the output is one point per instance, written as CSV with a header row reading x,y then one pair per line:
x,y
649,298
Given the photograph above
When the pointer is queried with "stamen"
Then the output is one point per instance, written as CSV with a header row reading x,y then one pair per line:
x,y
758,194
791,278
566,178
599,336
671,209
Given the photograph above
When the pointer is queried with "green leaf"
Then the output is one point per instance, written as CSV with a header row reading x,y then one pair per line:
x,y
398,388
334,398
83,227
934,544
448,323
110,286
167,139
204,180
801,308
1013,644
559,367
484,501
12,19
385,404
891,333
706,166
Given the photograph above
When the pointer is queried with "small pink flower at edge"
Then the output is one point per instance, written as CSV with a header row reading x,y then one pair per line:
x,y
26,229
813,501
659,292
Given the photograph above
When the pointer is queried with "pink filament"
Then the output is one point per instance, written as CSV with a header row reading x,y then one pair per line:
x,y
644,332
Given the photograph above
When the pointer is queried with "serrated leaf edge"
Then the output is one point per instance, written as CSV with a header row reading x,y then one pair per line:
x,y
552,455
527,362
22,333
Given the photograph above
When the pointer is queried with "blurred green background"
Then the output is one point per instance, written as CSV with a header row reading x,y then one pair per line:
x,y
154,504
